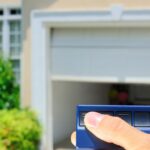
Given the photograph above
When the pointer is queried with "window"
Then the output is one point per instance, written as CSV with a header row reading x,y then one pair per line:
x,y
15,38
1,12
10,36
14,11
1,41
16,68
15,45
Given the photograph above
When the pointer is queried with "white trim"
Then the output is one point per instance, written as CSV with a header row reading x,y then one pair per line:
x,y
10,5
14,17
41,23
49,103
85,79
138,80
15,57
10,17
40,100
103,16
101,79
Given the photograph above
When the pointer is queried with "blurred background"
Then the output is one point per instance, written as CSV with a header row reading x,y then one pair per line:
x,y
56,54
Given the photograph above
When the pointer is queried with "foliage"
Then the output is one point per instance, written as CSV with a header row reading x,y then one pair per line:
x,y
9,90
19,130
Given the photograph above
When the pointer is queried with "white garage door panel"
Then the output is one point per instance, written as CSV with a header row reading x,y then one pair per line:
x,y
96,62
100,37
101,52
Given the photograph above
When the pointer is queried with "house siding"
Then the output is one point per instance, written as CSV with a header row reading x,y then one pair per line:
x,y
29,6
10,2
98,4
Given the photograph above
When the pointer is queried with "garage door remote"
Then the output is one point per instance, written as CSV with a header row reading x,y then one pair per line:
x,y
137,116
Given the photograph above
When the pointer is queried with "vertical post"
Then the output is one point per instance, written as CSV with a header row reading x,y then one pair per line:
x,y
41,91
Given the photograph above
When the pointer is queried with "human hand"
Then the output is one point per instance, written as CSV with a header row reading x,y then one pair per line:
x,y
115,130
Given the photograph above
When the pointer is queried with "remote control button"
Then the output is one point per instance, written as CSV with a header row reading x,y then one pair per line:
x,y
82,115
107,113
126,116
142,119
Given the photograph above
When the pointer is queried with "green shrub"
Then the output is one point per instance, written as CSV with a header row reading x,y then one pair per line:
x,y
9,90
19,130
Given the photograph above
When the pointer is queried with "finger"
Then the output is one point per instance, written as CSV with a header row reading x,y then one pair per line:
x,y
73,138
115,130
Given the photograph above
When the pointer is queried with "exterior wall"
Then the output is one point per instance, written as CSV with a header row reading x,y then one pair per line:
x,y
29,5
10,2
98,4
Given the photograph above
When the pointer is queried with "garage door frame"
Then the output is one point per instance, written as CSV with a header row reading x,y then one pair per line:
x,y
41,23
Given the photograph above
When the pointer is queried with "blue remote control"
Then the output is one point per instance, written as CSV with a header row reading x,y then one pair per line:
x,y
137,116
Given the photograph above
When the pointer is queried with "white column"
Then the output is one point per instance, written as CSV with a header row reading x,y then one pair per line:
x,y
6,45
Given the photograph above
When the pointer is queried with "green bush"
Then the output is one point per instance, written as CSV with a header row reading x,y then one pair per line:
x,y
19,130
9,90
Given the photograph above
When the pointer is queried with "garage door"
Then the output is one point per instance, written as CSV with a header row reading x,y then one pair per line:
x,y
96,52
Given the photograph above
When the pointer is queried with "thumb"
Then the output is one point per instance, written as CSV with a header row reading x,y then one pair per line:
x,y
117,131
